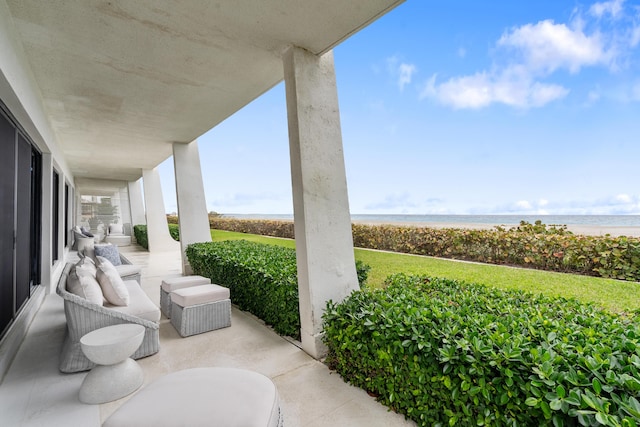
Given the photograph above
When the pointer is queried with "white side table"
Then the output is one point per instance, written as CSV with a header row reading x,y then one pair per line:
x,y
116,375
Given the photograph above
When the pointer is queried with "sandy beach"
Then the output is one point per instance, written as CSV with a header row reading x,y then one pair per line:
x,y
588,230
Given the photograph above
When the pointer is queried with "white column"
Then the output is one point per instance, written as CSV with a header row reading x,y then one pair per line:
x,y
137,205
324,243
157,227
192,206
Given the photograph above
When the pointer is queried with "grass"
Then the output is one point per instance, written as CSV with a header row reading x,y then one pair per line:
x,y
613,295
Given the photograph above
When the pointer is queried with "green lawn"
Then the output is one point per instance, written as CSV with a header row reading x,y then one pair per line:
x,y
614,295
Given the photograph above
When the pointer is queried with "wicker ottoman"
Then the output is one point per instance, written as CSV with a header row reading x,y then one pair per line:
x,y
200,309
174,283
203,396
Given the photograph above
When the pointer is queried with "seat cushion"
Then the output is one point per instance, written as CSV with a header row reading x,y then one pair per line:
x,y
202,294
125,270
171,284
140,304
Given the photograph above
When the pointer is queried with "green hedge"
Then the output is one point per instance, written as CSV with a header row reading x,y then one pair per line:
x,y
174,231
283,229
551,248
539,246
140,233
449,353
262,278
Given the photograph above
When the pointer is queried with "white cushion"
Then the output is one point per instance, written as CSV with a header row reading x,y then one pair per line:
x,y
202,294
140,305
115,229
111,283
87,265
173,283
127,269
84,284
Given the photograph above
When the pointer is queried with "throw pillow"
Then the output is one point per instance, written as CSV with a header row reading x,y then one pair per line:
x,y
113,288
115,229
86,232
87,266
109,252
84,284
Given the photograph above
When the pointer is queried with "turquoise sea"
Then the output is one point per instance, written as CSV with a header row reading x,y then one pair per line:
x,y
596,220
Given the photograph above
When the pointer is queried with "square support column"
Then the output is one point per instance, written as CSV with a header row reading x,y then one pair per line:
x,y
324,242
157,227
192,206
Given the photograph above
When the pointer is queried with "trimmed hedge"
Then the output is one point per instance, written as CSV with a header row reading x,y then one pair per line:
x,y
261,227
174,231
262,278
449,353
140,233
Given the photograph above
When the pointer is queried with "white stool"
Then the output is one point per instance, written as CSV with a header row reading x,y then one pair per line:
x,y
116,374
200,309
203,396
174,283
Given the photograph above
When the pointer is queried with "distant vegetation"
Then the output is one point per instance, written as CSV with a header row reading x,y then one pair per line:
x,y
538,246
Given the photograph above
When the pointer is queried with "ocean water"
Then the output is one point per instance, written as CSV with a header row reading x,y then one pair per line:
x,y
597,220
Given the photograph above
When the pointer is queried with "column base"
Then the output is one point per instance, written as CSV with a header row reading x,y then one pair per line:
x,y
313,345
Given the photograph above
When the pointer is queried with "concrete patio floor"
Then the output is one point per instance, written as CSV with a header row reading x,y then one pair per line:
x,y
35,393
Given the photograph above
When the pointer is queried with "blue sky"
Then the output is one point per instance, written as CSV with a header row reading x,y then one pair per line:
x,y
460,107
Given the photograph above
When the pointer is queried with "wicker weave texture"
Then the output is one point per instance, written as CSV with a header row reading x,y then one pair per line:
x,y
165,303
200,318
83,317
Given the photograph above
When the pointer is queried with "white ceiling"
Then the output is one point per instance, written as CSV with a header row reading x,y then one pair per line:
x,y
122,80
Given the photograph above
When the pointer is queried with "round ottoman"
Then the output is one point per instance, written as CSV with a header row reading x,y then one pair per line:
x,y
203,397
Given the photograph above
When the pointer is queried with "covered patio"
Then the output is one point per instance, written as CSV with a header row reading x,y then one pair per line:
x,y
34,393
94,95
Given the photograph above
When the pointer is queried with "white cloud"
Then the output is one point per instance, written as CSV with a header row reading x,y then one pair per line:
x,y
402,72
528,56
623,198
483,89
613,8
547,46
612,205
405,71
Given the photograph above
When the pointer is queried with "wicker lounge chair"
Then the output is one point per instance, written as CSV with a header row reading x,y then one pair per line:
x,y
83,317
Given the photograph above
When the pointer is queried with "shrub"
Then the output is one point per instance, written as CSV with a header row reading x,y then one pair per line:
x,y
271,228
140,233
551,248
448,353
174,231
262,278
545,247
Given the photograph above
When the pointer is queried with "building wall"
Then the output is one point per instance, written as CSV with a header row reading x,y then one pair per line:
x,y
20,96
